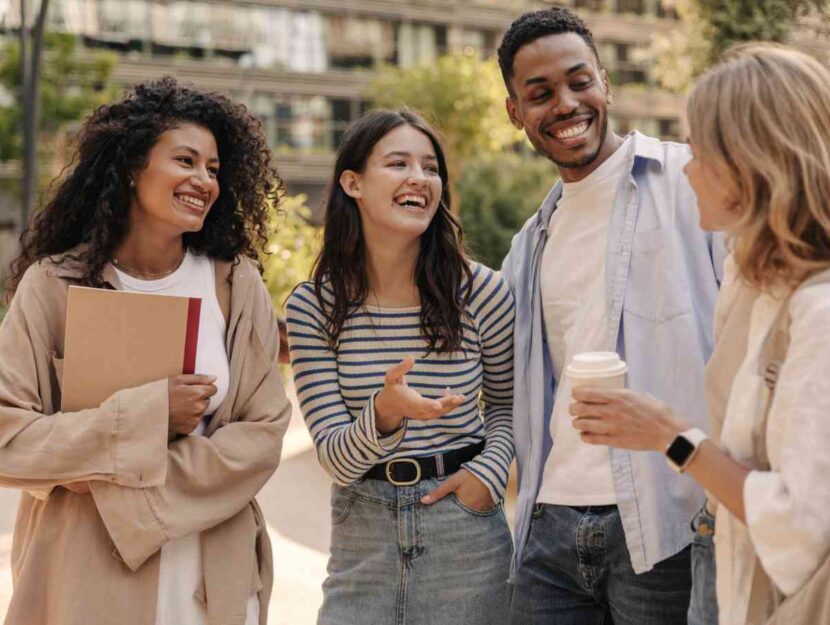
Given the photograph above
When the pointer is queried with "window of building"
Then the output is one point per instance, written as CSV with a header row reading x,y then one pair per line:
x,y
470,41
666,12
343,112
418,44
621,52
441,45
631,6
359,42
310,123
669,128
621,125
590,5
631,76
303,123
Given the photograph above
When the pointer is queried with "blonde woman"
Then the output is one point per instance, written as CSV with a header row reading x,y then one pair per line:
x,y
760,135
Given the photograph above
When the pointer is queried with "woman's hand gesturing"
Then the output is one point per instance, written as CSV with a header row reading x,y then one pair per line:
x,y
397,401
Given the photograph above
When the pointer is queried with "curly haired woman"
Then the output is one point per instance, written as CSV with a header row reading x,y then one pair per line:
x,y
141,511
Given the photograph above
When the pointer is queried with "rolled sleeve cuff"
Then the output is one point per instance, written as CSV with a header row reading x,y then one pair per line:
x,y
381,443
788,551
142,416
130,521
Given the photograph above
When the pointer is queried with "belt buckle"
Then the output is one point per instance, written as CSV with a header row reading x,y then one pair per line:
x,y
403,482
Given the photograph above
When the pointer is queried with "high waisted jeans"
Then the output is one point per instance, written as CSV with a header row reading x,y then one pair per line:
x,y
395,561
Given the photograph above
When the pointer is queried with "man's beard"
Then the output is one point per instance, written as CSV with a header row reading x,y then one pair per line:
x,y
588,159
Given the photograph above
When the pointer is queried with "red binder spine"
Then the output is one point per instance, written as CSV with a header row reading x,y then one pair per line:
x,y
192,337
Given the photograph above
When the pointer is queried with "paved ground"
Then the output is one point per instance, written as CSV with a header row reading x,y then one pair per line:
x,y
296,506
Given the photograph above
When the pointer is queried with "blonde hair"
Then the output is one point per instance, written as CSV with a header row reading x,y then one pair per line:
x,y
764,115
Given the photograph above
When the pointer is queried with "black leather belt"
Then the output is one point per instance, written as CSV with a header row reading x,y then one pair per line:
x,y
409,471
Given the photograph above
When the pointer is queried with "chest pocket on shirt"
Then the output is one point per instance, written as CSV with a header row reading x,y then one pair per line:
x,y
655,291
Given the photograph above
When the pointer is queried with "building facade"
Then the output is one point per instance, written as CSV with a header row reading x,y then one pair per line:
x,y
303,65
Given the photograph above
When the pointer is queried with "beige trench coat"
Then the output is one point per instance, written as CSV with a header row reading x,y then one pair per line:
x,y
93,559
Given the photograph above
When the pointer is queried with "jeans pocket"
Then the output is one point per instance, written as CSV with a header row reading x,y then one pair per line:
x,y
341,505
478,513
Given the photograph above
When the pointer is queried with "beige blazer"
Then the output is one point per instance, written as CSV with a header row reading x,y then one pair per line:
x,y
93,559
732,314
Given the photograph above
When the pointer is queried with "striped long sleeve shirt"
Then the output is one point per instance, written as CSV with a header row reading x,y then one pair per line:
x,y
336,388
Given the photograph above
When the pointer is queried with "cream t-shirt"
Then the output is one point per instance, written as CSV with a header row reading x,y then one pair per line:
x,y
180,567
575,310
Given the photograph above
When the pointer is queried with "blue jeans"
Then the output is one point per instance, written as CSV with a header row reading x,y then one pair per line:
x,y
703,609
576,571
395,561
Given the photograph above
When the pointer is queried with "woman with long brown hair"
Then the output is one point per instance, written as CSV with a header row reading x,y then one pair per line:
x,y
141,511
395,345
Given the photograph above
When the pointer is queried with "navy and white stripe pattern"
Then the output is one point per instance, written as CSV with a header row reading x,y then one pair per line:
x,y
336,388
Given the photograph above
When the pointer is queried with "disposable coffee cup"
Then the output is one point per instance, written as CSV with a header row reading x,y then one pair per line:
x,y
600,369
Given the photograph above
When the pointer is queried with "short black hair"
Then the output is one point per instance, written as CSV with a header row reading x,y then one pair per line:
x,y
535,25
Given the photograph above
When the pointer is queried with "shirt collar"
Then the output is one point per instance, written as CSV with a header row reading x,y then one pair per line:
x,y
643,147
649,148
70,265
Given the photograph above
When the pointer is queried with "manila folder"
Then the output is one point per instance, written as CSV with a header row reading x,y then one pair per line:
x,y
117,340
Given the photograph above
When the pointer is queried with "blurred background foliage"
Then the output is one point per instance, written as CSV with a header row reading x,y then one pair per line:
x,y
498,193
72,85
708,28
292,248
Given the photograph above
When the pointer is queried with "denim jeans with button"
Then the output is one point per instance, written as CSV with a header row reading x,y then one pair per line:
x,y
396,561
703,609
576,570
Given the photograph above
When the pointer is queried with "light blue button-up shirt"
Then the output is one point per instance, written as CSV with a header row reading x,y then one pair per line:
x,y
662,279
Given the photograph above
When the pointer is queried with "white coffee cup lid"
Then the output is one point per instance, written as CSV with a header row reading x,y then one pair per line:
x,y
596,365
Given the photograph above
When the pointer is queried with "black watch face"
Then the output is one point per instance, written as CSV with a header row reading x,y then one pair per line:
x,y
679,451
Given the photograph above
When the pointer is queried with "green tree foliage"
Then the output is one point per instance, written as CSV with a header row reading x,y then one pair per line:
x,y
73,83
735,21
461,95
709,27
292,248
683,53
498,194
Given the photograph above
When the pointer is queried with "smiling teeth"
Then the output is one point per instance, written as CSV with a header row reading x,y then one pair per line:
x,y
192,201
416,199
573,131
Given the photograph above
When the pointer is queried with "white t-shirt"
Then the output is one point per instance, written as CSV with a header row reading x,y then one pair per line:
x,y
180,568
575,309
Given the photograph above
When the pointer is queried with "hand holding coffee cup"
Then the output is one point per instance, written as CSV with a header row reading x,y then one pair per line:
x,y
607,414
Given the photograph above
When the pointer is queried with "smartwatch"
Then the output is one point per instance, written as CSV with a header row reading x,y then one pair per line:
x,y
683,448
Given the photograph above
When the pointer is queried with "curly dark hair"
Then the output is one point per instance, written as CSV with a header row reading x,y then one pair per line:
x,y
91,203
442,270
535,25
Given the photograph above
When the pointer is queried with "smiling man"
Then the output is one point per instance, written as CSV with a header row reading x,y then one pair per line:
x,y
614,260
